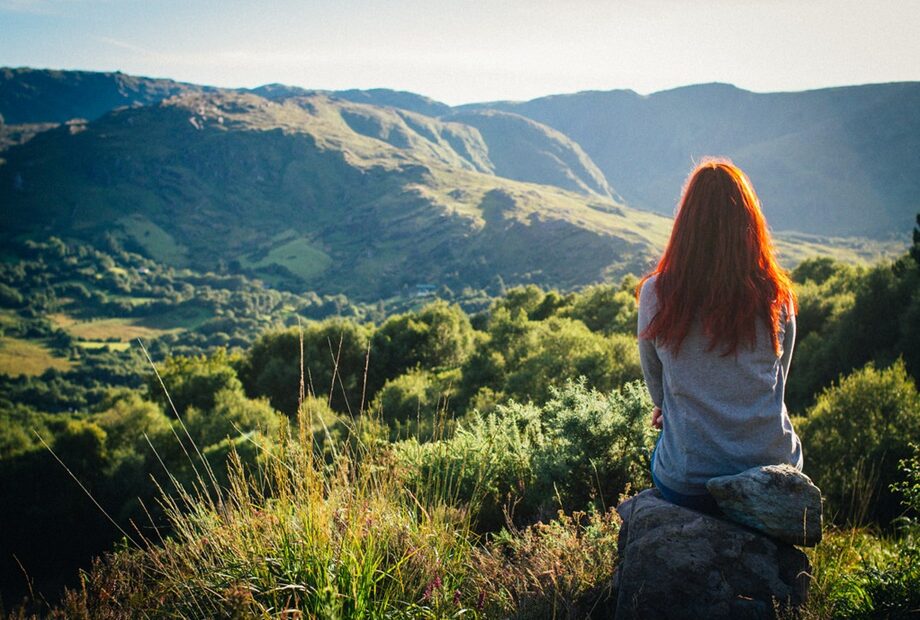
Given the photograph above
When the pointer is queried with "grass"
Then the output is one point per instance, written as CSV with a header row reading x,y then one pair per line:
x,y
297,255
860,573
157,243
28,357
337,528
328,538
95,345
124,329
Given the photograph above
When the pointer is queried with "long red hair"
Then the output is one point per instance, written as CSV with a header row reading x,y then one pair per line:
x,y
718,265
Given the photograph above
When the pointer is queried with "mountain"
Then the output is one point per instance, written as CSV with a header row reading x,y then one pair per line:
x,y
314,192
49,96
380,97
526,150
838,161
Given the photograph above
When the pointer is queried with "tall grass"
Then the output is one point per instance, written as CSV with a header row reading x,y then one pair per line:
x,y
325,526
304,535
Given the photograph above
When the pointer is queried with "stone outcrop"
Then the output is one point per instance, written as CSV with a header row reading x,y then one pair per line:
x,y
778,500
678,563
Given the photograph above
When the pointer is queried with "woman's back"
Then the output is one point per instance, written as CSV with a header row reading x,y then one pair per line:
x,y
722,413
716,329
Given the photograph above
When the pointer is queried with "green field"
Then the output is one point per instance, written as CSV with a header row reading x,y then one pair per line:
x,y
299,256
124,329
157,243
95,345
27,357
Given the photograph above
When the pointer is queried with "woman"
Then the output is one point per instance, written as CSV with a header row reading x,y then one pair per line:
x,y
716,329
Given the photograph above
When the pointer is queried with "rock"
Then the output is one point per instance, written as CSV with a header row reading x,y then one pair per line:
x,y
778,500
679,563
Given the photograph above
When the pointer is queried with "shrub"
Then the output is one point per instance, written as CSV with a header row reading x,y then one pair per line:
x,y
334,354
437,336
232,415
193,381
581,447
607,308
561,349
854,437
595,445
413,404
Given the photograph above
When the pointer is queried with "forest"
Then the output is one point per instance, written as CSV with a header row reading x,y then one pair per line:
x,y
216,444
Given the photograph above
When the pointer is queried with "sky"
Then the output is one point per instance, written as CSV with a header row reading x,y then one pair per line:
x,y
465,51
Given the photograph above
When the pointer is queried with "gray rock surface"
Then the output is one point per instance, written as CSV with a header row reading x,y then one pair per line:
x,y
778,500
679,563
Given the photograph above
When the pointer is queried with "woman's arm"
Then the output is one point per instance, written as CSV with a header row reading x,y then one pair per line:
x,y
648,355
788,342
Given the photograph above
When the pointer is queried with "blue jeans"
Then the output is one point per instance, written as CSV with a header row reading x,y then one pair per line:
x,y
703,502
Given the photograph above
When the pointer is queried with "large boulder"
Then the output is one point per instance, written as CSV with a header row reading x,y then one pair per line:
x,y
778,500
679,563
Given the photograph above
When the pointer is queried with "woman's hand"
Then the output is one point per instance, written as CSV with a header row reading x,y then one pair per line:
x,y
656,418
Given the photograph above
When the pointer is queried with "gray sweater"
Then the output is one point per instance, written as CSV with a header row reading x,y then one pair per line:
x,y
721,414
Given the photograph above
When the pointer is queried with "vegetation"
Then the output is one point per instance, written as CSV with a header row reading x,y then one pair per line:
x,y
312,191
474,445
418,409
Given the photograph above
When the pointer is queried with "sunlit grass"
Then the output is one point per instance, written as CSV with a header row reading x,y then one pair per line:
x,y
28,357
124,329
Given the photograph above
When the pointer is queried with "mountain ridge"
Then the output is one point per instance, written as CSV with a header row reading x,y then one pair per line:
x,y
312,191
290,191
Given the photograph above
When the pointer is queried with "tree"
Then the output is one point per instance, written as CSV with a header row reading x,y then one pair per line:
x,y
331,348
915,248
438,336
193,381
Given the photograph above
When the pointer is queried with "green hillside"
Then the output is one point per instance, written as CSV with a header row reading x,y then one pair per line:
x,y
525,150
314,191
837,161
357,199
840,161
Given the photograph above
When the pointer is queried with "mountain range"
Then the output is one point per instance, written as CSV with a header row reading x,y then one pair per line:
x,y
372,192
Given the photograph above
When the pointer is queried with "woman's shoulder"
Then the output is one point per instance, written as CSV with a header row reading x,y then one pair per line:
x,y
647,291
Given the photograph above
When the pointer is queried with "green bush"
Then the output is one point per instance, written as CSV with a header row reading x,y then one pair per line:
x,y
193,381
334,356
607,308
854,437
232,415
414,404
437,336
582,447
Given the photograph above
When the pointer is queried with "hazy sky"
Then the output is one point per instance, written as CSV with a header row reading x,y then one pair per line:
x,y
474,50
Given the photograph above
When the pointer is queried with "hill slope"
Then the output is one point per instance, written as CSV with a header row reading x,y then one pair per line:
x,y
313,192
831,161
525,150
49,96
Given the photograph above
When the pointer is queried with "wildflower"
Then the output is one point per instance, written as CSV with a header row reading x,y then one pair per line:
x,y
457,597
433,585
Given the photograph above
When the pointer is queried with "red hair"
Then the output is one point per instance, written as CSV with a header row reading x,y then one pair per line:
x,y
718,265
